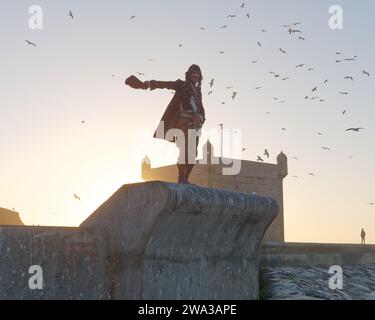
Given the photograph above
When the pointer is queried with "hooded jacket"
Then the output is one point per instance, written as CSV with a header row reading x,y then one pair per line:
x,y
172,112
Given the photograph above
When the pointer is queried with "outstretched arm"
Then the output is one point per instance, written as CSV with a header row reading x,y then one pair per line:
x,y
171,85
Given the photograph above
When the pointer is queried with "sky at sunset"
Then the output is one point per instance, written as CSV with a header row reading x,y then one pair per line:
x,y
76,73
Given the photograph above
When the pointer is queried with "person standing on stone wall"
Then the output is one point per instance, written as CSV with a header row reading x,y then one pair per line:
x,y
363,237
185,112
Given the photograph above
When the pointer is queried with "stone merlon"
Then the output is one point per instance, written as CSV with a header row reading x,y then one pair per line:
x,y
153,240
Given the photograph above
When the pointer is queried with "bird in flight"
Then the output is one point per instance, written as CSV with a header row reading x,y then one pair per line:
x,y
224,26
76,197
266,153
354,129
290,30
231,16
203,28
71,14
301,38
314,89
259,44
344,111
349,78
282,51
132,17
310,69
260,159
311,174
319,133
83,121
30,43
264,30
366,73
229,88
371,203
257,88
141,74
242,5
248,15
209,92
344,93
287,78
234,95
300,66
326,148
325,81
243,149
211,83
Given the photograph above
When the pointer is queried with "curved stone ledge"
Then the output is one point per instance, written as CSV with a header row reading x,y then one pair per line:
x,y
151,240
184,241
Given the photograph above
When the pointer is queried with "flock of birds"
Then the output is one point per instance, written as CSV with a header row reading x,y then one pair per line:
x,y
291,29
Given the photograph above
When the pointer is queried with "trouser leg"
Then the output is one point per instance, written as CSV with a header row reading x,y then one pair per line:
x,y
190,166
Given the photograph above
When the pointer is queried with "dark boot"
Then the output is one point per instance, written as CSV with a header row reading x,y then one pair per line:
x,y
181,173
188,170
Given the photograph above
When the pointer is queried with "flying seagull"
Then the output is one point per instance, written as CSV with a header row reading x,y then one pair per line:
x,y
248,15
366,73
76,197
243,5
300,66
222,27
311,174
314,89
325,81
231,16
30,43
301,38
266,153
132,17
209,92
282,51
326,148
344,93
344,111
260,159
259,44
234,95
211,83
71,14
290,30
349,78
354,129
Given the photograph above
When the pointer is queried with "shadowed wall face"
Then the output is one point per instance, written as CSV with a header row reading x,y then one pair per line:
x,y
151,240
